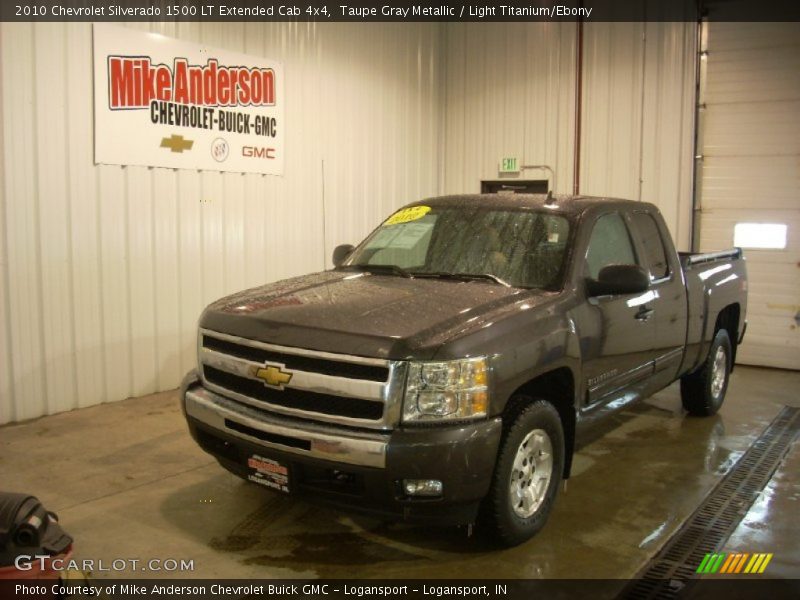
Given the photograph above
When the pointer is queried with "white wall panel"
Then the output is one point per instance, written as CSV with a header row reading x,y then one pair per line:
x,y
611,145
638,103
511,92
668,124
6,371
25,350
104,270
751,173
84,205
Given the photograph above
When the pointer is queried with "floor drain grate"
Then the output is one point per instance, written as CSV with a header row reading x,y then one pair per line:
x,y
709,527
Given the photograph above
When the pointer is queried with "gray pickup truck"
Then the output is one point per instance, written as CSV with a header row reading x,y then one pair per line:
x,y
442,371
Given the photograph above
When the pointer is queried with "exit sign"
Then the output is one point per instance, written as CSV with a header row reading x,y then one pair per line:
x,y
509,165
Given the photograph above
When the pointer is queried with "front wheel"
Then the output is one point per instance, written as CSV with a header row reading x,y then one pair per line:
x,y
527,475
703,392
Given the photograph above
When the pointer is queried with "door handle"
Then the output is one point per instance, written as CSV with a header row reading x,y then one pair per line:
x,y
644,313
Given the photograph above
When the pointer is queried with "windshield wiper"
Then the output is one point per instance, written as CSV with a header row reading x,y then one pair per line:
x,y
381,269
464,276
494,278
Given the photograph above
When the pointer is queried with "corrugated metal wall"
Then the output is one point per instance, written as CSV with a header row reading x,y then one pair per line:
x,y
510,92
751,173
104,270
511,89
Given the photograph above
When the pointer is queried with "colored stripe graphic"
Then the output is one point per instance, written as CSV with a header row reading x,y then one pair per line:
x,y
702,567
756,558
734,562
710,563
718,563
741,563
727,564
765,563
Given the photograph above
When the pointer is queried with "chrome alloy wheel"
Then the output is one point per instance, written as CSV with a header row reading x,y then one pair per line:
x,y
719,371
531,473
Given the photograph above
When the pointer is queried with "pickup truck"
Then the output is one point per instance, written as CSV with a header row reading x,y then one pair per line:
x,y
442,371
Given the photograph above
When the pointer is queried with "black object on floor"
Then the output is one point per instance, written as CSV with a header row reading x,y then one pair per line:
x,y
26,527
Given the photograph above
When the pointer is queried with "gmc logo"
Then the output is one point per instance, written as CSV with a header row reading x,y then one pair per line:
x,y
254,152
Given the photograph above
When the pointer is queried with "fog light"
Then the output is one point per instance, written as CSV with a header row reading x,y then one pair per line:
x,y
422,487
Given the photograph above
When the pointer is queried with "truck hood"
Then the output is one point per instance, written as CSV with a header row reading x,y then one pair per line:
x,y
361,314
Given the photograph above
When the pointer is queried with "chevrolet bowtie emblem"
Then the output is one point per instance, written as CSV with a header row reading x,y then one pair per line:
x,y
272,375
176,143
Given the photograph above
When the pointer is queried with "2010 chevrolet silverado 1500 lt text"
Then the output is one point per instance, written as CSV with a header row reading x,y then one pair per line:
x,y
443,370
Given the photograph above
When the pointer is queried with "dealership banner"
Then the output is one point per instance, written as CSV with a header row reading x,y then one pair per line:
x,y
162,102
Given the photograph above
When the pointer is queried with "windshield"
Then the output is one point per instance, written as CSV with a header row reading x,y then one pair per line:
x,y
517,247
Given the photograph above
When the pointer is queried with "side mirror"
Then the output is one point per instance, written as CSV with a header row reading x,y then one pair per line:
x,y
340,254
618,279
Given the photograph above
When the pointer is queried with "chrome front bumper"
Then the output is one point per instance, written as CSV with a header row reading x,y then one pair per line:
x,y
311,440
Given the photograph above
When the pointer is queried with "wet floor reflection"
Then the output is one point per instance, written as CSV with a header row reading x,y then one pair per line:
x,y
634,480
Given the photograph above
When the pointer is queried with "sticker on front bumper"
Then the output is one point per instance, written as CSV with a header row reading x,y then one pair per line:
x,y
269,473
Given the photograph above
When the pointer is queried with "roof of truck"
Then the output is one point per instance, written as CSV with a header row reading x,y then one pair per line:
x,y
563,203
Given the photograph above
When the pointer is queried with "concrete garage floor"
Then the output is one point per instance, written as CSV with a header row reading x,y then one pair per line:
x,y
128,482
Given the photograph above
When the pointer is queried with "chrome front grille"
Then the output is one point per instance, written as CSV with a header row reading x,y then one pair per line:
x,y
297,362
322,386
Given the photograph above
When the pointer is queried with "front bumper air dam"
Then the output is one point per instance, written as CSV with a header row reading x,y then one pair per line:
x,y
352,469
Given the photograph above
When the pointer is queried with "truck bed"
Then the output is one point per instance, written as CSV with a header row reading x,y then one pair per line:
x,y
696,258
714,280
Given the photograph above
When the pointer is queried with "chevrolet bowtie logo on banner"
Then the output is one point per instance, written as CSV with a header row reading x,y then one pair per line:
x,y
176,143
273,375
185,106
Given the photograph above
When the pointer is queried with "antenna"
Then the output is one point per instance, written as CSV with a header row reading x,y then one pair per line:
x,y
549,199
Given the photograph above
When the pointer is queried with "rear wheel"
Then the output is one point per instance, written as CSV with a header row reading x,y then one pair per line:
x,y
703,392
526,478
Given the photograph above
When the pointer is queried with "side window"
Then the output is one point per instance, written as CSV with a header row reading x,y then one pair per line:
x,y
653,245
610,244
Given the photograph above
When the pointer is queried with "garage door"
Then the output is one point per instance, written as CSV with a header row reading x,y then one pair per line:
x,y
750,175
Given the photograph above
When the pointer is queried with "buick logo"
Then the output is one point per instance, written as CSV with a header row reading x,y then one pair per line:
x,y
220,149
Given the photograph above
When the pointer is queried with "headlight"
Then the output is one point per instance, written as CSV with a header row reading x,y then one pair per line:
x,y
448,390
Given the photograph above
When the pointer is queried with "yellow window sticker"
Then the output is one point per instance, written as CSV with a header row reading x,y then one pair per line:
x,y
412,213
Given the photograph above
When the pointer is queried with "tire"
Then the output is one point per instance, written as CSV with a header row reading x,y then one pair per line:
x,y
512,517
703,391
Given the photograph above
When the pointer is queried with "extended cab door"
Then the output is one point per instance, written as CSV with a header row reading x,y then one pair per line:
x,y
669,294
617,333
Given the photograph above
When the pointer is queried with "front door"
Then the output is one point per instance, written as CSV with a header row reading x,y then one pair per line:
x,y
617,333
